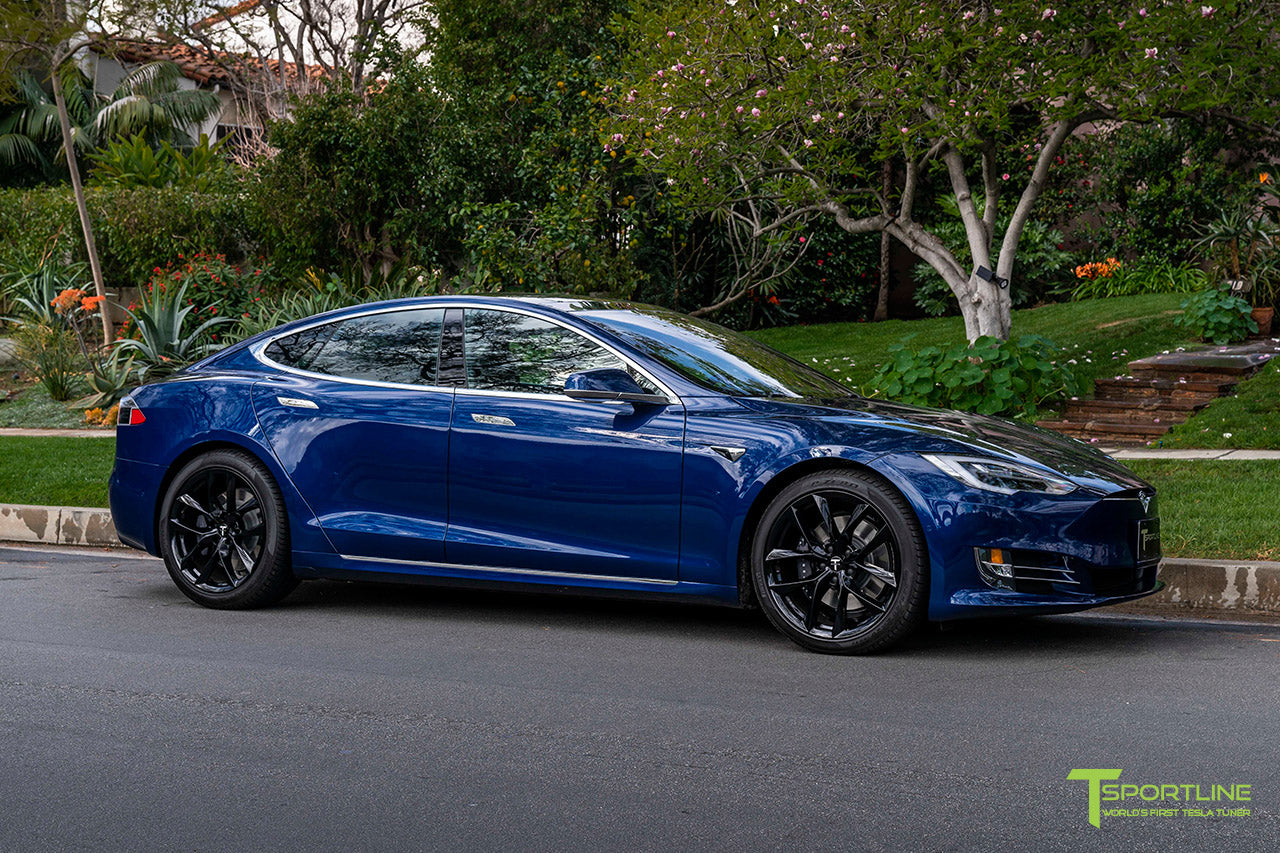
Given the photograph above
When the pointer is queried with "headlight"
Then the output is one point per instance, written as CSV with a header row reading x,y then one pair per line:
x,y
998,476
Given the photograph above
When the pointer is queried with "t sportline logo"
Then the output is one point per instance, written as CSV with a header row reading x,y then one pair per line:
x,y
1173,799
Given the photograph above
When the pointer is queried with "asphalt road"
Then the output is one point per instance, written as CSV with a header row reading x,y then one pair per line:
x,y
363,717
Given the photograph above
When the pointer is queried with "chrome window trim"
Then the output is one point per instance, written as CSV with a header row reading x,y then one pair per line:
x,y
507,571
258,351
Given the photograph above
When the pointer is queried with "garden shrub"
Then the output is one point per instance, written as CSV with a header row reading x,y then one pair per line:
x,y
1214,315
52,354
991,377
1132,278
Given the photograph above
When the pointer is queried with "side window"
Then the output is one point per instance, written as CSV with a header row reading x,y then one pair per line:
x,y
506,351
394,346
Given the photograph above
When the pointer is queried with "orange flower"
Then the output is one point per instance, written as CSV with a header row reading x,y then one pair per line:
x,y
67,300
91,303
1265,178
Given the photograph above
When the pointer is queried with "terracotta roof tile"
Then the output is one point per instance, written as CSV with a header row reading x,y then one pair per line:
x,y
198,64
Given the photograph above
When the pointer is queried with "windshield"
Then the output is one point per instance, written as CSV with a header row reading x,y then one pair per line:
x,y
714,357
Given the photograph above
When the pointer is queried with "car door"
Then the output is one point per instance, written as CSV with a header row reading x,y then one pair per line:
x,y
539,482
359,419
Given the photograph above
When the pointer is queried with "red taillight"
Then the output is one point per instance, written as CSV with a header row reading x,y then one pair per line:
x,y
130,414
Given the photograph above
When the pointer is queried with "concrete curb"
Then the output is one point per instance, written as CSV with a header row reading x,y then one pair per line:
x,y
57,525
1222,587
1228,587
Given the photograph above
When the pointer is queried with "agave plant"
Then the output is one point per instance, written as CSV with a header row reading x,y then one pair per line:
x,y
111,379
33,290
165,346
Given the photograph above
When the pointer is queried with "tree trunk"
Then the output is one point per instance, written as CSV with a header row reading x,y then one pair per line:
x,y
985,310
90,246
882,298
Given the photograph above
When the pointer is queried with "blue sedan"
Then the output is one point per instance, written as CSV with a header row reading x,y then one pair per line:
x,y
614,447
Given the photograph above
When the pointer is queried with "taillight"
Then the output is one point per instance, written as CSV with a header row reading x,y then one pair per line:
x,y
130,414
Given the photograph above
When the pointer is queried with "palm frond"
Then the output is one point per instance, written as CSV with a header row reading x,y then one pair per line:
x,y
18,150
149,80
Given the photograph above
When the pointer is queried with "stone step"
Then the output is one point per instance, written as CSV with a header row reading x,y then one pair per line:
x,y
1088,410
1106,431
1171,389
1237,362
1153,405
1171,372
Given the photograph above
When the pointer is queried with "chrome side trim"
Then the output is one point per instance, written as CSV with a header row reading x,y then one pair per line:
x,y
296,402
258,351
527,572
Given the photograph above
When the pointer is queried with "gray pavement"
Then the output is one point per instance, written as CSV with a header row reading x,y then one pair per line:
x,y
363,717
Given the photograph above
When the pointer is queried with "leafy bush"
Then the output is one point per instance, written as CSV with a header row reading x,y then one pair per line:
x,y
1216,316
991,377
214,286
1132,278
1040,261
133,163
51,352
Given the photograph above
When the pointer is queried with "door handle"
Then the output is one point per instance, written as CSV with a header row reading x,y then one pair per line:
x,y
296,402
492,420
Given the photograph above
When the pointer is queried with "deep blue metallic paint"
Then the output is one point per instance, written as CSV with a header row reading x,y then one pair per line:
x,y
402,482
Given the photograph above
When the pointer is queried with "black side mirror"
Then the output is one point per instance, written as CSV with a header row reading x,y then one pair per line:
x,y
609,383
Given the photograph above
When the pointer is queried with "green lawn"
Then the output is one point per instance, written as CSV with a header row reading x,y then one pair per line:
x,y
1218,510
1104,335
1249,419
55,471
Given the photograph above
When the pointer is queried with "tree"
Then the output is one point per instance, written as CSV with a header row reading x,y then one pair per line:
x,y
49,35
766,103
149,102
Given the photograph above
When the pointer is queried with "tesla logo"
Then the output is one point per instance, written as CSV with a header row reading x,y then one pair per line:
x,y
1145,500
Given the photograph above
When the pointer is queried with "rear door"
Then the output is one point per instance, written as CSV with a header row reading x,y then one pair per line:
x,y
359,419
544,483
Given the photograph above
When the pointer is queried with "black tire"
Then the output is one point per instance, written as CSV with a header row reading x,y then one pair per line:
x,y
224,532
839,563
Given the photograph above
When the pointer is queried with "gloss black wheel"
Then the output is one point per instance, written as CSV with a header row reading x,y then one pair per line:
x,y
838,563
223,533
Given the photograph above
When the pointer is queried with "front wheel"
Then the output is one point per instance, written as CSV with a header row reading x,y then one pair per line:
x,y
224,534
838,563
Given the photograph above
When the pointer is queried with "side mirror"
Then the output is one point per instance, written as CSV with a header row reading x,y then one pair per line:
x,y
609,383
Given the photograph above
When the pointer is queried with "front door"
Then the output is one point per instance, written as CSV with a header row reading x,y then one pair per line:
x,y
541,482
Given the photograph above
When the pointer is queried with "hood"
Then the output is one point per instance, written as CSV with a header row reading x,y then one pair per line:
x,y
984,436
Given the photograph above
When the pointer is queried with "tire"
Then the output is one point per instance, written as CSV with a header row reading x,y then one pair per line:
x,y
224,532
838,563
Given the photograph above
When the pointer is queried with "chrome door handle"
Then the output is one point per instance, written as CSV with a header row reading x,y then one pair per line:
x,y
296,402
492,420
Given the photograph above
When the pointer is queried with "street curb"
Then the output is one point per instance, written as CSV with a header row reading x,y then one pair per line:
x,y
1235,587
1231,587
57,525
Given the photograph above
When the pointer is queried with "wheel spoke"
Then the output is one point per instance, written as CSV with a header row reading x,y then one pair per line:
x,y
837,621
878,573
824,510
811,616
199,534
232,487
245,559
186,499
854,518
784,554
250,504
877,539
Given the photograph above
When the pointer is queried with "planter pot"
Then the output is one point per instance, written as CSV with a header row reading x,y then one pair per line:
x,y
1263,317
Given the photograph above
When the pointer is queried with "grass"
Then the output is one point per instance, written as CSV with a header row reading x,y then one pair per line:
x,y
1216,510
1103,335
31,406
55,471
1250,419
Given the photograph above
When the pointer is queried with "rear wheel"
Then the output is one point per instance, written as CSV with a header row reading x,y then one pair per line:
x,y
838,563
224,534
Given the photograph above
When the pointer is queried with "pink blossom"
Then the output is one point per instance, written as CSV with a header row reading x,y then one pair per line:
x,y
1152,52
817,117
761,93
808,143
1005,176
1206,11
739,109
1142,13
671,34
904,130
1048,14
969,14
755,113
